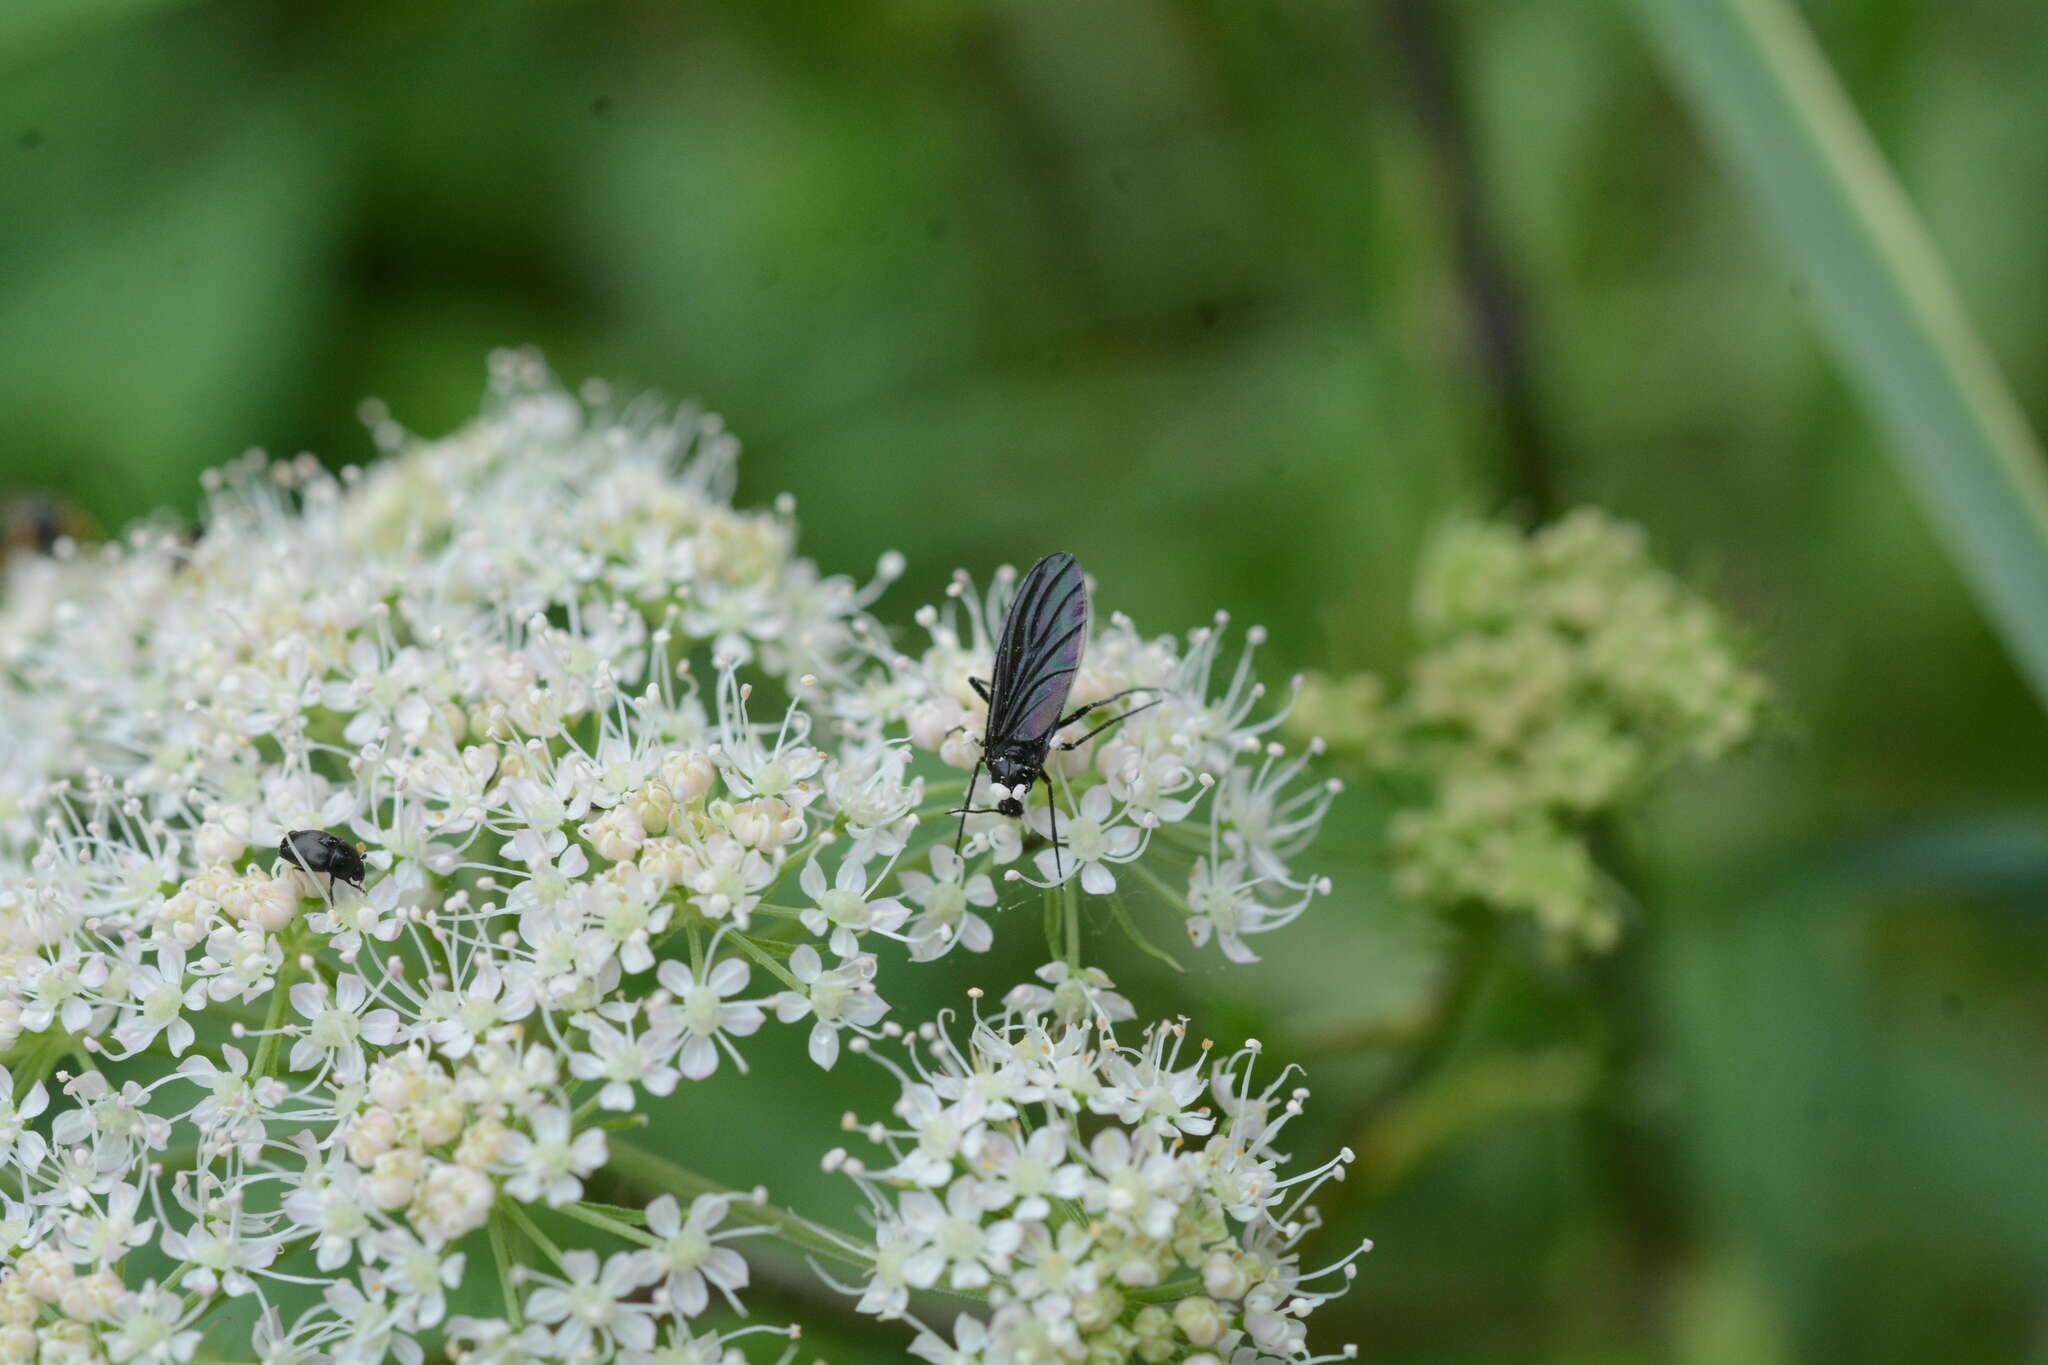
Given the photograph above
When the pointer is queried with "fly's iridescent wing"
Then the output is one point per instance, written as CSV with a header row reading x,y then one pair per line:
x,y
1040,650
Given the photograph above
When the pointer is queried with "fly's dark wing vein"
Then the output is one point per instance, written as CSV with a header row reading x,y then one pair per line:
x,y
1040,650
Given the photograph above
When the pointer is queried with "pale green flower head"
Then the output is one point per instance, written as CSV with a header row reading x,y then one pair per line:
x,y
1561,673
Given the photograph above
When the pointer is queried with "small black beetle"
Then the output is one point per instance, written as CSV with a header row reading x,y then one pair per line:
x,y
316,850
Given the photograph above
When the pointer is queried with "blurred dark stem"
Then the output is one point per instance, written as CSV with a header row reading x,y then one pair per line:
x,y
1438,1039
1495,313
1448,1017
1642,1166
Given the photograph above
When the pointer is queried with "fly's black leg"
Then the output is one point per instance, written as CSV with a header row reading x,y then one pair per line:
x,y
1111,721
1052,813
966,806
1081,711
981,689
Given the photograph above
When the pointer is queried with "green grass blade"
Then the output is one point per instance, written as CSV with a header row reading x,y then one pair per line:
x,y
1767,98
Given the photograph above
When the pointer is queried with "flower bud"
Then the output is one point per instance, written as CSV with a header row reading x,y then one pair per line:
x,y
689,776
453,1202
1153,1326
1097,1308
371,1135
45,1273
617,834
93,1298
1223,1277
1201,1320
394,1177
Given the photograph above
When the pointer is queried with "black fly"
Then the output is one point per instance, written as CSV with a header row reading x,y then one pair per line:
x,y
1037,656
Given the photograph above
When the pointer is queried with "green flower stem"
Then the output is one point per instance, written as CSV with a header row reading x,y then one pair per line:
x,y
1145,945
501,1254
762,956
533,1233
273,1020
1178,900
1164,1293
32,1065
1070,906
584,1213
640,1167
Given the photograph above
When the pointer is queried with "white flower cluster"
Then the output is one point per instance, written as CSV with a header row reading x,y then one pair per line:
x,y
520,670
1111,1202
1141,785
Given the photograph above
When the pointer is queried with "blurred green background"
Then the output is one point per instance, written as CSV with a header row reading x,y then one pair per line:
x,y
1235,301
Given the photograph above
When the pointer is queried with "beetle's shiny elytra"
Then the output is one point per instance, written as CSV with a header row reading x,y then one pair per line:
x,y
315,850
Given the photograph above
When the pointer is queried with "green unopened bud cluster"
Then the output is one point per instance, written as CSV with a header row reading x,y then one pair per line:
x,y
1561,671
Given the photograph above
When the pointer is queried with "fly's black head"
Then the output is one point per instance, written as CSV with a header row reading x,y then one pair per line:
x,y
316,850
1015,766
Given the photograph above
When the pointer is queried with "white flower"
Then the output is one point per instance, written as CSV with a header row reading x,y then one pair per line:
x,y
149,1328
160,997
702,1013
622,1061
336,1030
1143,1088
593,1307
106,1115
330,1204
222,1251
1138,1186
493,1341
848,907
948,896
841,998
19,1144
368,1326
689,1258
1070,995
456,1018
970,1339
1220,903
951,1239
1033,1173
729,880
105,1236
417,1273
546,1164
1089,842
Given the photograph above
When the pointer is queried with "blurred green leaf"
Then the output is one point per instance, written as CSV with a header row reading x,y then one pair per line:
x,y
29,28
1483,1091
2002,857
1769,100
